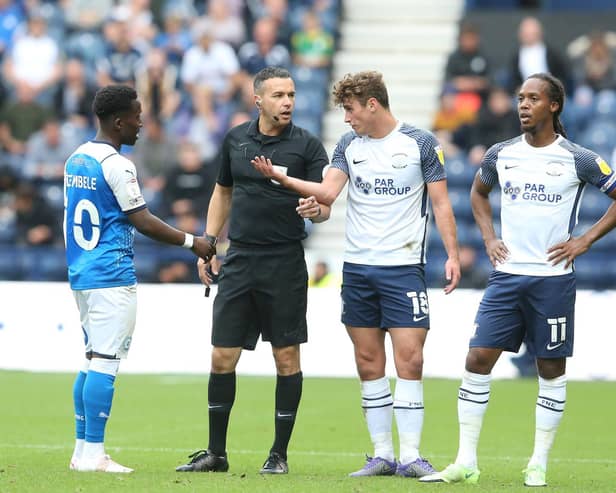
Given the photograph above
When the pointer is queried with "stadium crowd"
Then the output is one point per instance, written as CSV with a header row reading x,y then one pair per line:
x,y
192,64
192,61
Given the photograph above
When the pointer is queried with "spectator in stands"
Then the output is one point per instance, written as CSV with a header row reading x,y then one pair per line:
x,y
533,56
19,120
174,267
449,118
473,276
468,69
86,15
154,155
175,39
205,128
263,51
47,150
210,64
34,60
312,47
225,25
141,21
120,63
11,17
189,183
277,11
595,68
8,186
36,222
496,121
73,99
156,85
322,277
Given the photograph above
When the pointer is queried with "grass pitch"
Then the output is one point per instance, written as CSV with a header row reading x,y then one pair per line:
x,y
158,420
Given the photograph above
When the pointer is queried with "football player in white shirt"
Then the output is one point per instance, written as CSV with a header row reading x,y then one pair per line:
x,y
532,289
103,206
394,170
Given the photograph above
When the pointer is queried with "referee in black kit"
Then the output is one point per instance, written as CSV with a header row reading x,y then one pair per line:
x,y
262,288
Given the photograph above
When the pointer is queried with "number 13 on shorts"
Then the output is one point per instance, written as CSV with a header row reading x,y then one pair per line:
x,y
419,302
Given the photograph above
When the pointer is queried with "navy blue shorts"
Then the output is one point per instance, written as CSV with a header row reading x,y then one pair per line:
x,y
384,296
542,308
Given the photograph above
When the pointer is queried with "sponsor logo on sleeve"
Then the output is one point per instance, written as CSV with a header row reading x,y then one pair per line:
x,y
440,155
603,166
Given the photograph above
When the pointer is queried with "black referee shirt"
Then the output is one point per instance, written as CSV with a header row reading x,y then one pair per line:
x,y
263,212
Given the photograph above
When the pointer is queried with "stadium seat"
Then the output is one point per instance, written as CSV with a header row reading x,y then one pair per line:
x,y
604,104
10,263
461,202
600,136
460,173
306,77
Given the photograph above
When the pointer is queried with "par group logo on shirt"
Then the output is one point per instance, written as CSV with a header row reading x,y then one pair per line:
x,y
511,190
362,185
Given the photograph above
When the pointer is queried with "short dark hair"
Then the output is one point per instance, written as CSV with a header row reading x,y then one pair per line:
x,y
113,99
269,73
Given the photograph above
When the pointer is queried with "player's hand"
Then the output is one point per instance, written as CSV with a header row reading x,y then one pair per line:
x,y
308,207
208,269
264,166
568,251
452,274
203,248
497,251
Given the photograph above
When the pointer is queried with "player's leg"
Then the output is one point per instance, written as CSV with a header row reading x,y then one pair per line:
x,y
80,416
405,311
111,322
282,301
498,326
233,328
361,314
550,308
289,382
408,399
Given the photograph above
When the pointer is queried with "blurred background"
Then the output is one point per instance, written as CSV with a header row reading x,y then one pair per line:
x,y
451,66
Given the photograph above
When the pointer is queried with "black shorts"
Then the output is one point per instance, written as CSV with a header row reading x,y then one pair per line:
x,y
261,291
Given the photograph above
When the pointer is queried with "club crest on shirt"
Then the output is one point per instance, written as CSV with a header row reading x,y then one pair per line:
x,y
399,160
603,166
555,168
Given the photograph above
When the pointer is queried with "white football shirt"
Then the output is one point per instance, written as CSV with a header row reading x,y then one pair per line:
x,y
541,192
387,204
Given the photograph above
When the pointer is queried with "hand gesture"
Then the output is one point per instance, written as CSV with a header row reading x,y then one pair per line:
x,y
308,207
568,250
204,248
497,251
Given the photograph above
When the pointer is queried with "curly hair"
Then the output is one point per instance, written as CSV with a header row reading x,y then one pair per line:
x,y
113,99
361,86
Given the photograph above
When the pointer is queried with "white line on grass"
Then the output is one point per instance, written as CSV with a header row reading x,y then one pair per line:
x,y
491,458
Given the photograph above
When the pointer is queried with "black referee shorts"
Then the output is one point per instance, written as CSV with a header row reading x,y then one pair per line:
x,y
261,291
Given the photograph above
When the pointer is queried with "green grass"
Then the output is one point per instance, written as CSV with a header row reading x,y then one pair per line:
x,y
158,420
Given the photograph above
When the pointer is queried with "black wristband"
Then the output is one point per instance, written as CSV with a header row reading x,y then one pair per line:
x,y
211,238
